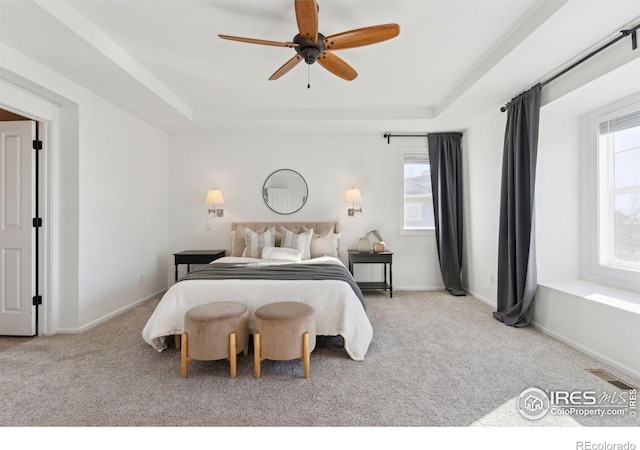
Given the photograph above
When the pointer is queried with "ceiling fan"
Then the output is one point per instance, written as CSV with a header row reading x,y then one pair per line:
x,y
312,46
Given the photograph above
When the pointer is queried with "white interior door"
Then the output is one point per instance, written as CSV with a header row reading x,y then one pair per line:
x,y
17,235
278,199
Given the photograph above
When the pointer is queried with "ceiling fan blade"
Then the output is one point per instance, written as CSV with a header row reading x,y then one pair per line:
x,y
258,41
337,66
286,67
307,18
361,36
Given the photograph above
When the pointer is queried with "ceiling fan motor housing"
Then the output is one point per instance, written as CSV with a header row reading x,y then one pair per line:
x,y
309,51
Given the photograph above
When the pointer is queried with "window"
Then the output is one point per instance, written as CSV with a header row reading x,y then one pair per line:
x,y
416,213
619,189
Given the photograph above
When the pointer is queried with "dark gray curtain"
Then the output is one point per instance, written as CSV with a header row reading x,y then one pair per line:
x,y
517,278
445,160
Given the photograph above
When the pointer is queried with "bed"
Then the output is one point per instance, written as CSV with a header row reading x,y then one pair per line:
x,y
316,277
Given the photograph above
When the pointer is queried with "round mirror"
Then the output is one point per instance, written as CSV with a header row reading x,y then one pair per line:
x,y
285,191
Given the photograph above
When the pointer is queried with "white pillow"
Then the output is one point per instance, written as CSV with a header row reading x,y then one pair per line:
x,y
256,242
281,253
325,244
299,241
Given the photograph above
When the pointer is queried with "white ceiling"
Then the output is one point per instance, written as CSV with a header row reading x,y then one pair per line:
x,y
163,61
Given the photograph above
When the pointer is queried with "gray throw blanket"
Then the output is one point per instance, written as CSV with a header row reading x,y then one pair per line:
x,y
242,271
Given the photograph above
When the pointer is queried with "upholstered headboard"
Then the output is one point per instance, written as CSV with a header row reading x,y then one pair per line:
x,y
238,238
318,227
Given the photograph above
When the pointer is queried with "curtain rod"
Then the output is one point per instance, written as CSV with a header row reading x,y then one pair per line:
x,y
624,33
390,135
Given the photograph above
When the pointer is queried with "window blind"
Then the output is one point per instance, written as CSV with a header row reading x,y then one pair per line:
x,y
620,123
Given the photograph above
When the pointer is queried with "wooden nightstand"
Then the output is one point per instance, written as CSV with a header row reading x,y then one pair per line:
x,y
189,257
386,258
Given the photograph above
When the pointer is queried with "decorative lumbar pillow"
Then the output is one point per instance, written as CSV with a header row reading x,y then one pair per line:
x,y
299,241
281,253
325,244
255,242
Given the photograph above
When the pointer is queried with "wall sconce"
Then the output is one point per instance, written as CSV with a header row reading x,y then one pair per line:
x,y
353,196
214,197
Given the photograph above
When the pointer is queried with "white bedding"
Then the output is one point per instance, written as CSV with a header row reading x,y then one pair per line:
x,y
338,309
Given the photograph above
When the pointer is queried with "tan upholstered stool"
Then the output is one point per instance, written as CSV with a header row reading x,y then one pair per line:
x,y
215,331
283,331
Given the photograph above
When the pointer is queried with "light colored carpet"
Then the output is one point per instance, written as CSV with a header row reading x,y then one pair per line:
x,y
436,361
7,342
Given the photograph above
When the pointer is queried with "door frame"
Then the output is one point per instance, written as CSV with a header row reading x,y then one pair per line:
x,y
46,115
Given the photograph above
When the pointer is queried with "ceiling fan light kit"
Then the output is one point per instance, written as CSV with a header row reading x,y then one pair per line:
x,y
312,46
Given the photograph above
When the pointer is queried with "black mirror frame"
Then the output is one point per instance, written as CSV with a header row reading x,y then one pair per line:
x,y
264,191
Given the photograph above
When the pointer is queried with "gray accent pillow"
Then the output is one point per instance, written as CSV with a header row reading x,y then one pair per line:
x,y
299,241
256,242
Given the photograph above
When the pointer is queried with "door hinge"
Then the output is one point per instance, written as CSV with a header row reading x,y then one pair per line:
x,y
37,222
37,145
37,300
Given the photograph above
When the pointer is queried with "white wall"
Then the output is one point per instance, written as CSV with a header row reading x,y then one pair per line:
x,y
64,210
108,209
557,197
123,210
239,165
482,167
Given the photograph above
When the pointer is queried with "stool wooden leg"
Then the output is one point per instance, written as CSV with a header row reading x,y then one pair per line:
x,y
256,355
176,339
306,357
232,353
184,358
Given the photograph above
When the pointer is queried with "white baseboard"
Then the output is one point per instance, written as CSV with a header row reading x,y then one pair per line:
x,y
586,350
418,288
109,316
483,299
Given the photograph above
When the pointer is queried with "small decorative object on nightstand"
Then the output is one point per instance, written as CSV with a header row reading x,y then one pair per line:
x,y
189,257
363,244
378,245
386,258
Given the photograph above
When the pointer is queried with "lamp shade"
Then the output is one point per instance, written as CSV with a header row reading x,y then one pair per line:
x,y
353,195
214,197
